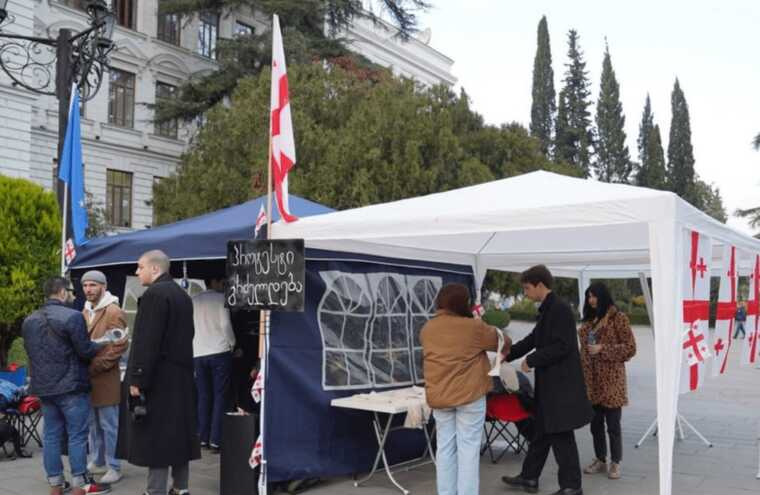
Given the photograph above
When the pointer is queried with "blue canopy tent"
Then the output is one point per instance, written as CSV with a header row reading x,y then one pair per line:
x,y
315,356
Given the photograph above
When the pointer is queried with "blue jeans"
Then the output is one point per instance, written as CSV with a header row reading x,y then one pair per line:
x,y
212,379
104,428
458,432
65,414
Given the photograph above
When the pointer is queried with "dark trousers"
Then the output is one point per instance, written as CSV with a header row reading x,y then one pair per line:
x,y
212,379
739,328
565,453
611,416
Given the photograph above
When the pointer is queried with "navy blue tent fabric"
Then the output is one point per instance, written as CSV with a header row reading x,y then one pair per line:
x,y
305,437
200,238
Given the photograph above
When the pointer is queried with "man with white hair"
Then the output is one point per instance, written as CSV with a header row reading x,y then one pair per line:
x,y
102,313
160,430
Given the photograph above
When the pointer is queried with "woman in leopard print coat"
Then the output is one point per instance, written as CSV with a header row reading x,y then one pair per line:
x,y
607,342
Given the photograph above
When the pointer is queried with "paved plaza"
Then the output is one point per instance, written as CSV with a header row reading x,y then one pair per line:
x,y
726,411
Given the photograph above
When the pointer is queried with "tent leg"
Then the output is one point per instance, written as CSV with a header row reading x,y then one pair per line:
x,y
692,428
680,421
652,429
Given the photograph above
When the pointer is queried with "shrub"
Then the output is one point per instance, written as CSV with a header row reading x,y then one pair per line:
x,y
639,301
525,310
30,235
17,353
497,318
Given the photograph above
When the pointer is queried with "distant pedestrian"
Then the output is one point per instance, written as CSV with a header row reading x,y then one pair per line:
x,y
741,319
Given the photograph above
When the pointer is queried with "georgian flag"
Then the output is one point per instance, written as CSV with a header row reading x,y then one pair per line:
x,y
752,325
258,449
258,386
281,125
696,310
261,220
724,320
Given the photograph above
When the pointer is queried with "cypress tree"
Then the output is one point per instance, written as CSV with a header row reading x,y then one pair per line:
x,y
613,161
645,128
680,151
653,173
543,108
574,124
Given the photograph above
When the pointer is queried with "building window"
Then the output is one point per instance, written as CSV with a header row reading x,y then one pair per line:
x,y
169,27
169,128
121,99
242,29
207,31
125,12
76,4
119,198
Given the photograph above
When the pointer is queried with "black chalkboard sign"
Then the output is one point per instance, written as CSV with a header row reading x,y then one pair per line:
x,y
265,275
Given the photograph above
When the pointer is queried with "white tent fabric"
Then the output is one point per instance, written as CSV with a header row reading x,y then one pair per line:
x,y
579,228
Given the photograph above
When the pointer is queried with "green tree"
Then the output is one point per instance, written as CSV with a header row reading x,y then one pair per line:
x,y
312,30
544,105
708,199
613,161
358,142
574,136
756,143
680,151
30,233
653,173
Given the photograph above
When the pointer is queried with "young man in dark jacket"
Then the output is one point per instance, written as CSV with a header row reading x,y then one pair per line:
x,y
562,404
56,341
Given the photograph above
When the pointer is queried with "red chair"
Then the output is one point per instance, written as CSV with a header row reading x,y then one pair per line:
x,y
25,417
501,410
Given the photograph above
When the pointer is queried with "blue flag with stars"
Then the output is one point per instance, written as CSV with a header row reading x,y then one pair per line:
x,y
72,173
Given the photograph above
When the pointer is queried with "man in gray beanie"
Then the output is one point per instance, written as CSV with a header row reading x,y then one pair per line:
x,y
102,313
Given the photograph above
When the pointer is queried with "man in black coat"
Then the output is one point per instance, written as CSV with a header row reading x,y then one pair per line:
x,y
162,430
562,404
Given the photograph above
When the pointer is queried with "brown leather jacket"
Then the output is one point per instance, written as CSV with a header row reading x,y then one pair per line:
x,y
455,362
104,368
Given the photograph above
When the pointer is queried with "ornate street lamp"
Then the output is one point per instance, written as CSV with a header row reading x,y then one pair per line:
x,y
50,66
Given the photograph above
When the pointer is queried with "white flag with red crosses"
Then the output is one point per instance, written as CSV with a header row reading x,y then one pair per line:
x,y
258,449
696,311
752,326
726,309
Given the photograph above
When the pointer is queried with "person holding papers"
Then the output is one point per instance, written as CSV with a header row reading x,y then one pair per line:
x,y
456,367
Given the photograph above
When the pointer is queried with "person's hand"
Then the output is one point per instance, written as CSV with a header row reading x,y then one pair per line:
x,y
254,372
507,346
134,391
594,349
525,367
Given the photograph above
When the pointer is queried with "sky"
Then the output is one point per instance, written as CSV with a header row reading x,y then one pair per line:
x,y
713,48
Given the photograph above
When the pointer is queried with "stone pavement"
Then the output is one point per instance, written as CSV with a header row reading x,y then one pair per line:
x,y
726,411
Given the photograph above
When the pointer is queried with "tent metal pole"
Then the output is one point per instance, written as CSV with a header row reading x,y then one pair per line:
x,y
680,420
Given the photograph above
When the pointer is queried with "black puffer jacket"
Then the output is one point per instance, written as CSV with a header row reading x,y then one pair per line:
x,y
59,349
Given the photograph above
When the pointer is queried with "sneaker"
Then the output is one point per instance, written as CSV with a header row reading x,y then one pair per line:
x,y
174,491
111,476
93,468
614,472
91,488
597,466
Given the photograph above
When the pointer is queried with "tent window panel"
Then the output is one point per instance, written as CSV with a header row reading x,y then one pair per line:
x,y
418,368
401,367
332,328
333,303
417,323
357,368
382,367
399,330
353,332
336,368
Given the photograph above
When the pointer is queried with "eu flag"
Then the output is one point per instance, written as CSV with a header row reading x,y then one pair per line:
x,y
72,173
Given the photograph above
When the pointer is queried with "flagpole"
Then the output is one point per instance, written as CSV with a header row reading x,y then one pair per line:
x,y
63,232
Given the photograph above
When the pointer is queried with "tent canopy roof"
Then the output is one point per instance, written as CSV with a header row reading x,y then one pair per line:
x,y
202,237
570,224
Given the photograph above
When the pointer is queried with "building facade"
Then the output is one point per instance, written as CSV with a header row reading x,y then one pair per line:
x,y
124,153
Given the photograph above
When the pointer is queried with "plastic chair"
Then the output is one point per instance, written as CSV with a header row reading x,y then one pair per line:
x,y
16,377
501,410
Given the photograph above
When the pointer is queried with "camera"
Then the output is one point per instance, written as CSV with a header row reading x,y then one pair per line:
x,y
138,408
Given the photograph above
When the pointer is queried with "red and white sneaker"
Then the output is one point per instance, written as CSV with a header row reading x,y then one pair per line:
x,y
91,488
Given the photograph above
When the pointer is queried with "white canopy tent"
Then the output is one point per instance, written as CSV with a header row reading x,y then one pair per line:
x,y
579,228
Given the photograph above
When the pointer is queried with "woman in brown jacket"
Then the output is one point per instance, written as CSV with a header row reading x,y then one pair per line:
x,y
607,342
456,369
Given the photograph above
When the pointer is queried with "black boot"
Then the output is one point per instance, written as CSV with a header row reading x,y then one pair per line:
x,y
530,486
569,491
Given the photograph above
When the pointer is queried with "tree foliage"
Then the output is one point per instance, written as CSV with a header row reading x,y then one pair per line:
x,y
613,161
358,142
680,150
544,106
574,135
30,231
651,169
311,31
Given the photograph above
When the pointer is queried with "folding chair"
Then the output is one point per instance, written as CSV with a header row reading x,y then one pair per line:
x,y
25,417
501,410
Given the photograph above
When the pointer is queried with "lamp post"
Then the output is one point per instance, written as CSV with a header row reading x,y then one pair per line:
x,y
49,66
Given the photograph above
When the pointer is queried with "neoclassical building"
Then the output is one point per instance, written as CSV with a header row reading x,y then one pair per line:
x,y
124,152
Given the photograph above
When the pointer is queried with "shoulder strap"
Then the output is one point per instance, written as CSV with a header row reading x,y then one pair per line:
x,y
51,329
